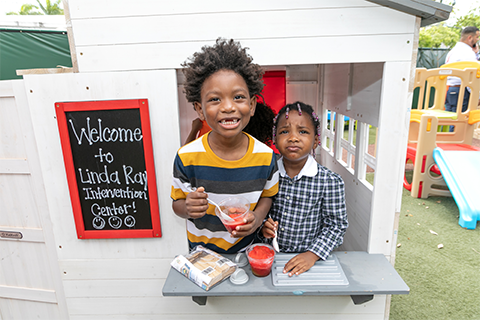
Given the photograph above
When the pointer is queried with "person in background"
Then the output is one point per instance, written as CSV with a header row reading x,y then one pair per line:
x,y
462,51
309,212
199,128
222,82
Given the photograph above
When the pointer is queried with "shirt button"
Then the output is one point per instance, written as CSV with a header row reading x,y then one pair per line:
x,y
283,229
288,198
284,213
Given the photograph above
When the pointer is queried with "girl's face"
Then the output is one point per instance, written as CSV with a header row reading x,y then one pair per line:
x,y
295,137
226,104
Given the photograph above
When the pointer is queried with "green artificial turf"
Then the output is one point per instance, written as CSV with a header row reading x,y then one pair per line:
x,y
444,283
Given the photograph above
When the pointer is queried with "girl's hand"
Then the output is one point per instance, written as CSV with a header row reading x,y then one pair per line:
x,y
269,227
300,263
196,203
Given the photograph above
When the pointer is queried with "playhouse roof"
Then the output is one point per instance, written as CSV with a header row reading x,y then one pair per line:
x,y
430,11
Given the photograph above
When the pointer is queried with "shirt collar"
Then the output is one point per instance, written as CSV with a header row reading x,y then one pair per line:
x,y
460,43
310,168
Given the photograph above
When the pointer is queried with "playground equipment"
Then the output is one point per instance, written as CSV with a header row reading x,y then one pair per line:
x,y
427,133
436,79
461,173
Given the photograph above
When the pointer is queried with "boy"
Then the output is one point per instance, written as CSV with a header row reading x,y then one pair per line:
x,y
221,82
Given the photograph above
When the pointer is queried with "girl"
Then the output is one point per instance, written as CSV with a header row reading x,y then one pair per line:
x,y
309,212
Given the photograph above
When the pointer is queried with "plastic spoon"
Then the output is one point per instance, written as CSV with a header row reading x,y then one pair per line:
x,y
275,243
224,216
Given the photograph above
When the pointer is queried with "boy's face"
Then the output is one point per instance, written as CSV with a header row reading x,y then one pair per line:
x,y
295,137
226,104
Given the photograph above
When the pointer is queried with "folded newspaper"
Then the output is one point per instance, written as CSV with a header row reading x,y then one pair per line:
x,y
204,267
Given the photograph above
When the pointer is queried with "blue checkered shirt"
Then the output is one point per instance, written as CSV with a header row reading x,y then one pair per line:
x,y
310,209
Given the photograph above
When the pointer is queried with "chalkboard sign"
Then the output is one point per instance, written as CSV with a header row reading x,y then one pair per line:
x,y
107,149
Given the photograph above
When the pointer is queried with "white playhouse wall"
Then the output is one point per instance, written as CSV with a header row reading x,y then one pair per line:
x,y
361,55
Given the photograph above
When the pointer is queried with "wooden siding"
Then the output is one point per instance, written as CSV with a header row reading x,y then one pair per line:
x,y
152,36
30,284
391,151
92,9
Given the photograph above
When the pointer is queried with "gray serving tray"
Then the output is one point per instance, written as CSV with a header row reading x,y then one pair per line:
x,y
323,273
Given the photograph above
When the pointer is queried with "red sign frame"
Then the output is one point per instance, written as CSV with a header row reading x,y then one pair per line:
x,y
142,105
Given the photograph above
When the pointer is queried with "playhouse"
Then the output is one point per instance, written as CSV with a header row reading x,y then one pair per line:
x,y
352,59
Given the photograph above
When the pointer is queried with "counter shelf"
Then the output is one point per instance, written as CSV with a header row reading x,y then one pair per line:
x,y
367,275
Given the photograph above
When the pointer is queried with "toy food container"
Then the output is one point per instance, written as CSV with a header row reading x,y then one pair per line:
x,y
234,207
260,256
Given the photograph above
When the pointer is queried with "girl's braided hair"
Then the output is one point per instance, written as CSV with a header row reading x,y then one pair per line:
x,y
224,55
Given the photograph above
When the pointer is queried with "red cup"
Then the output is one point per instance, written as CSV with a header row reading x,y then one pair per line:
x,y
260,256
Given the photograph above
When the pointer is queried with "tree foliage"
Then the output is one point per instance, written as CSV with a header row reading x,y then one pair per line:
x,y
48,9
436,35
472,19
442,35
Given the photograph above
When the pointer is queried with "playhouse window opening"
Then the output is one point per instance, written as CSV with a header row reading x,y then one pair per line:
x,y
371,152
347,143
367,142
362,150
328,134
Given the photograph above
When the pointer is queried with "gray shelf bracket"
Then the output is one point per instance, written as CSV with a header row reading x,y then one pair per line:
x,y
361,298
201,301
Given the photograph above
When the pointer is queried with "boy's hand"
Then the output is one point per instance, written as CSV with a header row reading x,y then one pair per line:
x,y
253,220
196,203
246,229
269,227
300,263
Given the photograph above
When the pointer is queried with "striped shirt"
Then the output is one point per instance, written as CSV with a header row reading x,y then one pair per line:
x,y
310,209
253,176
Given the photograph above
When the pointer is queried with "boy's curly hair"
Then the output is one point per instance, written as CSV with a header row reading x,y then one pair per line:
x,y
224,55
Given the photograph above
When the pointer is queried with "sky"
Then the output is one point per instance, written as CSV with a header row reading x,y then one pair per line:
x,y
462,7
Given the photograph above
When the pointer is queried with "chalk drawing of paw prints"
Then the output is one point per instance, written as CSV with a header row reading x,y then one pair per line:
x,y
98,223
115,222
129,221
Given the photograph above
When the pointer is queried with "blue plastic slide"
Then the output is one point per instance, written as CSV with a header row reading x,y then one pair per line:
x,y
461,172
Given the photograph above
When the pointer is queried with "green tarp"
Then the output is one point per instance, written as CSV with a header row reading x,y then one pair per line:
x,y
32,49
430,58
